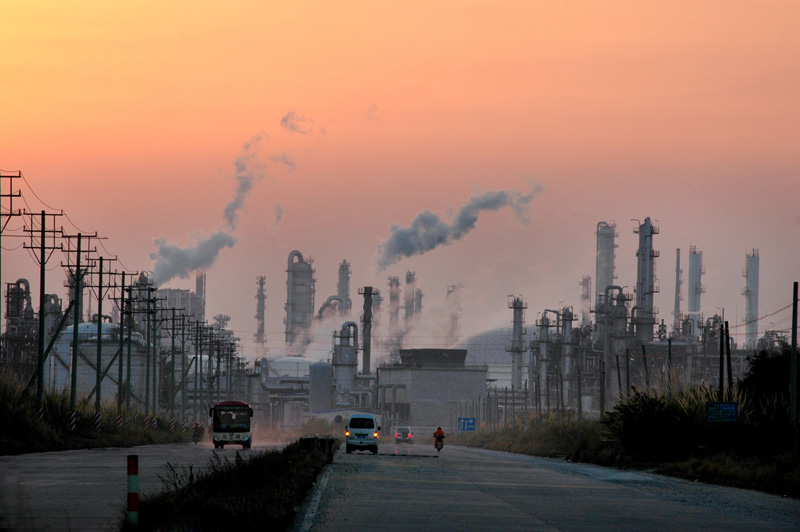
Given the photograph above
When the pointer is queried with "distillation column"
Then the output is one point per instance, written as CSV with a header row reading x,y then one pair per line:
x,y
410,294
394,302
261,304
644,319
544,337
299,295
517,348
606,233
586,299
566,360
343,288
751,300
676,311
696,288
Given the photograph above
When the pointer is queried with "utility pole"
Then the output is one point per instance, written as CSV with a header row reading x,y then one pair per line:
x,y
76,295
721,393
794,366
44,256
124,313
184,369
173,331
99,344
7,214
728,359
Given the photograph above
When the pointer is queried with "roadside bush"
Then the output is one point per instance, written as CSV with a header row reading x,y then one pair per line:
x,y
764,403
552,435
652,428
260,492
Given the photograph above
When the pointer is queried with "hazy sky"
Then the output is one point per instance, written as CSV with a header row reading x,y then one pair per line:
x,y
266,127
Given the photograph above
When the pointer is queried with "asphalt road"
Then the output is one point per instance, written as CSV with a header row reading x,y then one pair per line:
x,y
86,490
410,487
404,487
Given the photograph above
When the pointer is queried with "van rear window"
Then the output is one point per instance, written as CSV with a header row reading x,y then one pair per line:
x,y
361,423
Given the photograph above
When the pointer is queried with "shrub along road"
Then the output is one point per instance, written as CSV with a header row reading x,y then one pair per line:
x,y
86,490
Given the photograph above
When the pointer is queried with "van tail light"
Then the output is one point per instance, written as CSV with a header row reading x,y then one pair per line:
x,y
409,436
375,434
396,435
346,433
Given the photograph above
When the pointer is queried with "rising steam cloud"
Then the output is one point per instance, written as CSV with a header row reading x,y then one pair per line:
x,y
248,169
173,261
295,123
428,231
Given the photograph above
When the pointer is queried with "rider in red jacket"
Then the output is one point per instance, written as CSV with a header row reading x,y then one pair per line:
x,y
438,435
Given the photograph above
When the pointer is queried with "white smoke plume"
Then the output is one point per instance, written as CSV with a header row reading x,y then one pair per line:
x,y
427,231
284,158
295,123
278,213
248,169
174,261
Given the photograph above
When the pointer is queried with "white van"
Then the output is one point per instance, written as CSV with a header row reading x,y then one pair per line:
x,y
361,433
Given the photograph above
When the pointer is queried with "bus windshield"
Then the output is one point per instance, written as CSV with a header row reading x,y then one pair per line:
x,y
231,419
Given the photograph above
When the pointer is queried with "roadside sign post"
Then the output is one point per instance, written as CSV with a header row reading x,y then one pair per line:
x,y
466,424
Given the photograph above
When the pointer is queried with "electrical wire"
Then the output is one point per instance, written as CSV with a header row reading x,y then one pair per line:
x,y
761,318
35,194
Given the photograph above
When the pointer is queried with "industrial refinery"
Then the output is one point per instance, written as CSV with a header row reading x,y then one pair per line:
x,y
158,352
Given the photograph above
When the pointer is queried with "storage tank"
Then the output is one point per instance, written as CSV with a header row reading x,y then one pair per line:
x,y
320,396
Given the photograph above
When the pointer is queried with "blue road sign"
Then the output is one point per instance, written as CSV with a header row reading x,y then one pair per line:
x,y
466,424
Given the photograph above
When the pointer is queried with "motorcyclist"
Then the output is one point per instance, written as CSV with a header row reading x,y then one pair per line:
x,y
438,436
197,433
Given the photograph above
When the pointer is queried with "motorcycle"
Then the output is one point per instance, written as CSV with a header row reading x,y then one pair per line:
x,y
197,434
439,443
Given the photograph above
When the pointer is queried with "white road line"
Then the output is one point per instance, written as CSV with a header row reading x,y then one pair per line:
x,y
308,521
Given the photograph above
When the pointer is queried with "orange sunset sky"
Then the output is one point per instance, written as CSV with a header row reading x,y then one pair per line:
x,y
352,117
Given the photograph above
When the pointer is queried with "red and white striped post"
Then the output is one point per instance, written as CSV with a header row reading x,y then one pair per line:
x,y
172,425
73,421
133,489
146,422
98,421
119,421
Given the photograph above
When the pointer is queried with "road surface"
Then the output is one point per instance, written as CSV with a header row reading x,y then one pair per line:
x,y
411,488
405,487
86,490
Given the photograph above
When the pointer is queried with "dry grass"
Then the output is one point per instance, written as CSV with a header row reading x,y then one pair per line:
x,y
21,430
